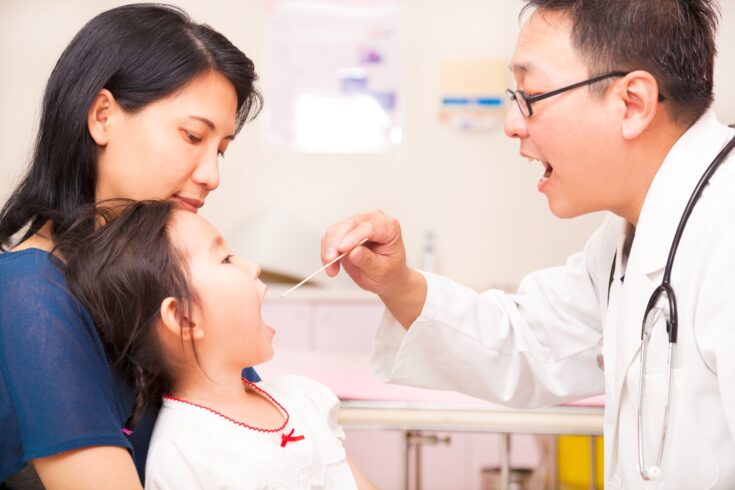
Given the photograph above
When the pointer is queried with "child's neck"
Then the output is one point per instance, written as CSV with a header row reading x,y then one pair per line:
x,y
199,386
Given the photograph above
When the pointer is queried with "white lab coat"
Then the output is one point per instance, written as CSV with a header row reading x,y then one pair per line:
x,y
538,347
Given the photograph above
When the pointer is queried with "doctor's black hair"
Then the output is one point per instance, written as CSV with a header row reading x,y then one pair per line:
x,y
673,40
140,53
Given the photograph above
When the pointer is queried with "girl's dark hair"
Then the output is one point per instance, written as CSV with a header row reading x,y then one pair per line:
x,y
140,53
121,273
673,40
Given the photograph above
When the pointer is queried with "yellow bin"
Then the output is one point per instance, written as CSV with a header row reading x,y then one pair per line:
x,y
574,468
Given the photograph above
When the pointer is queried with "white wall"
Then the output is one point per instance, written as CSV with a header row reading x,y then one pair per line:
x,y
472,189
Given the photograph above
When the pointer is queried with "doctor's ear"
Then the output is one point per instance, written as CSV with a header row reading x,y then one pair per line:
x,y
638,90
100,111
176,323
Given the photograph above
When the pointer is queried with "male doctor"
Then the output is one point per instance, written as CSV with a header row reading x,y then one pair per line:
x,y
633,138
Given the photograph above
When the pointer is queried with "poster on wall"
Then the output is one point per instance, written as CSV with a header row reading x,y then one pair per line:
x,y
331,76
472,93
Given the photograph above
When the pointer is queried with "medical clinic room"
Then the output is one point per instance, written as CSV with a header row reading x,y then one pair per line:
x,y
360,244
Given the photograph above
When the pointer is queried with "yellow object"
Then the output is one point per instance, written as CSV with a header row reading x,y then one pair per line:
x,y
473,77
574,469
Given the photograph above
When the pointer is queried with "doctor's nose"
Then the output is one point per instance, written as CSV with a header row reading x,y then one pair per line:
x,y
515,123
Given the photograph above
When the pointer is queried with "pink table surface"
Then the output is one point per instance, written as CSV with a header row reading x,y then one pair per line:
x,y
351,378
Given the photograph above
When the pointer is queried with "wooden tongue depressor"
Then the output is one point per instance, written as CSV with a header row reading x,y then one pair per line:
x,y
339,257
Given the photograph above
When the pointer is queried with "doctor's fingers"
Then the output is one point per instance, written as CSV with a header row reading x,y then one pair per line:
x,y
331,239
381,230
382,255
372,271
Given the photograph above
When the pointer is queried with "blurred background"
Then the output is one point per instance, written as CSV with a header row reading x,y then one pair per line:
x,y
388,104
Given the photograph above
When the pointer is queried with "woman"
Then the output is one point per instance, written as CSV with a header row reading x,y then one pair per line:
x,y
141,105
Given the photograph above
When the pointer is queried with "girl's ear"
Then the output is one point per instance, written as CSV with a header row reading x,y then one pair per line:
x,y
185,329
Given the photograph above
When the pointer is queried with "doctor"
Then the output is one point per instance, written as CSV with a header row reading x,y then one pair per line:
x,y
612,101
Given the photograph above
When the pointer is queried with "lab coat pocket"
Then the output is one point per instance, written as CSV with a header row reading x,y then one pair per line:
x,y
688,461
691,459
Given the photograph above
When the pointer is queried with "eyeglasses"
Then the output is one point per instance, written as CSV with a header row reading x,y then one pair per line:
x,y
524,100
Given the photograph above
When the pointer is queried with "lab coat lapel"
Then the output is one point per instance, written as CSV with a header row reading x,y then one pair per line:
x,y
612,314
662,209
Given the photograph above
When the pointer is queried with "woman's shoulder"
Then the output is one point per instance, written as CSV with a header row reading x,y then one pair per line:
x,y
32,275
33,290
29,265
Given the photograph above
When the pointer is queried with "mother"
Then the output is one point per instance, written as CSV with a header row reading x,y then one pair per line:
x,y
141,105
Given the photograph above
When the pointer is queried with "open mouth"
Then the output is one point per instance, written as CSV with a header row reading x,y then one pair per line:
x,y
548,169
543,182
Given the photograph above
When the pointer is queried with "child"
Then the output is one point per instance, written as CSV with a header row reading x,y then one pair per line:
x,y
179,315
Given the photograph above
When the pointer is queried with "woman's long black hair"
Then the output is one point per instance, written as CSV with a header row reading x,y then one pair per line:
x,y
140,53
121,272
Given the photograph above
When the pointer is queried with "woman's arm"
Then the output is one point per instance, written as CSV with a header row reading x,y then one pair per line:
x,y
65,409
90,468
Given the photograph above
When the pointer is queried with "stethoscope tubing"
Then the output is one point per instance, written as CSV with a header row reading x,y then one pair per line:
x,y
703,181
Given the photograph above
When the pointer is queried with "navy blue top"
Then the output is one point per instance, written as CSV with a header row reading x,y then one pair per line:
x,y
57,391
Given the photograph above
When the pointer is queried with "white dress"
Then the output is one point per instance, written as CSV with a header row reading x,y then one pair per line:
x,y
194,448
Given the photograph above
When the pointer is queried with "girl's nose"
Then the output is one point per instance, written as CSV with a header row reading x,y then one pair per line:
x,y
251,267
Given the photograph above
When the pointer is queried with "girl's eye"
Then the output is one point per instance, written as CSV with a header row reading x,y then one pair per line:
x,y
192,137
221,154
228,259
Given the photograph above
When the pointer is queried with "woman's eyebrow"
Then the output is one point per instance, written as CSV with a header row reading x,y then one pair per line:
x,y
211,125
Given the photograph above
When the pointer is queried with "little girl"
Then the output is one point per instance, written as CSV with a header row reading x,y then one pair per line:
x,y
179,314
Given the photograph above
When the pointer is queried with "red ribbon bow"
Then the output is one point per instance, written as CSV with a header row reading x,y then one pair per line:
x,y
285,439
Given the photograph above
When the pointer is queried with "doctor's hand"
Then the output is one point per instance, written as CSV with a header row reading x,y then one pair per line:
x,y
380,265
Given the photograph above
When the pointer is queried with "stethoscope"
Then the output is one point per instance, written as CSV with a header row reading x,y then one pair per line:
x,y
664,294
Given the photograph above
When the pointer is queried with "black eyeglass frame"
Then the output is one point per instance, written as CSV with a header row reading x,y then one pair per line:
x,y
530,99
